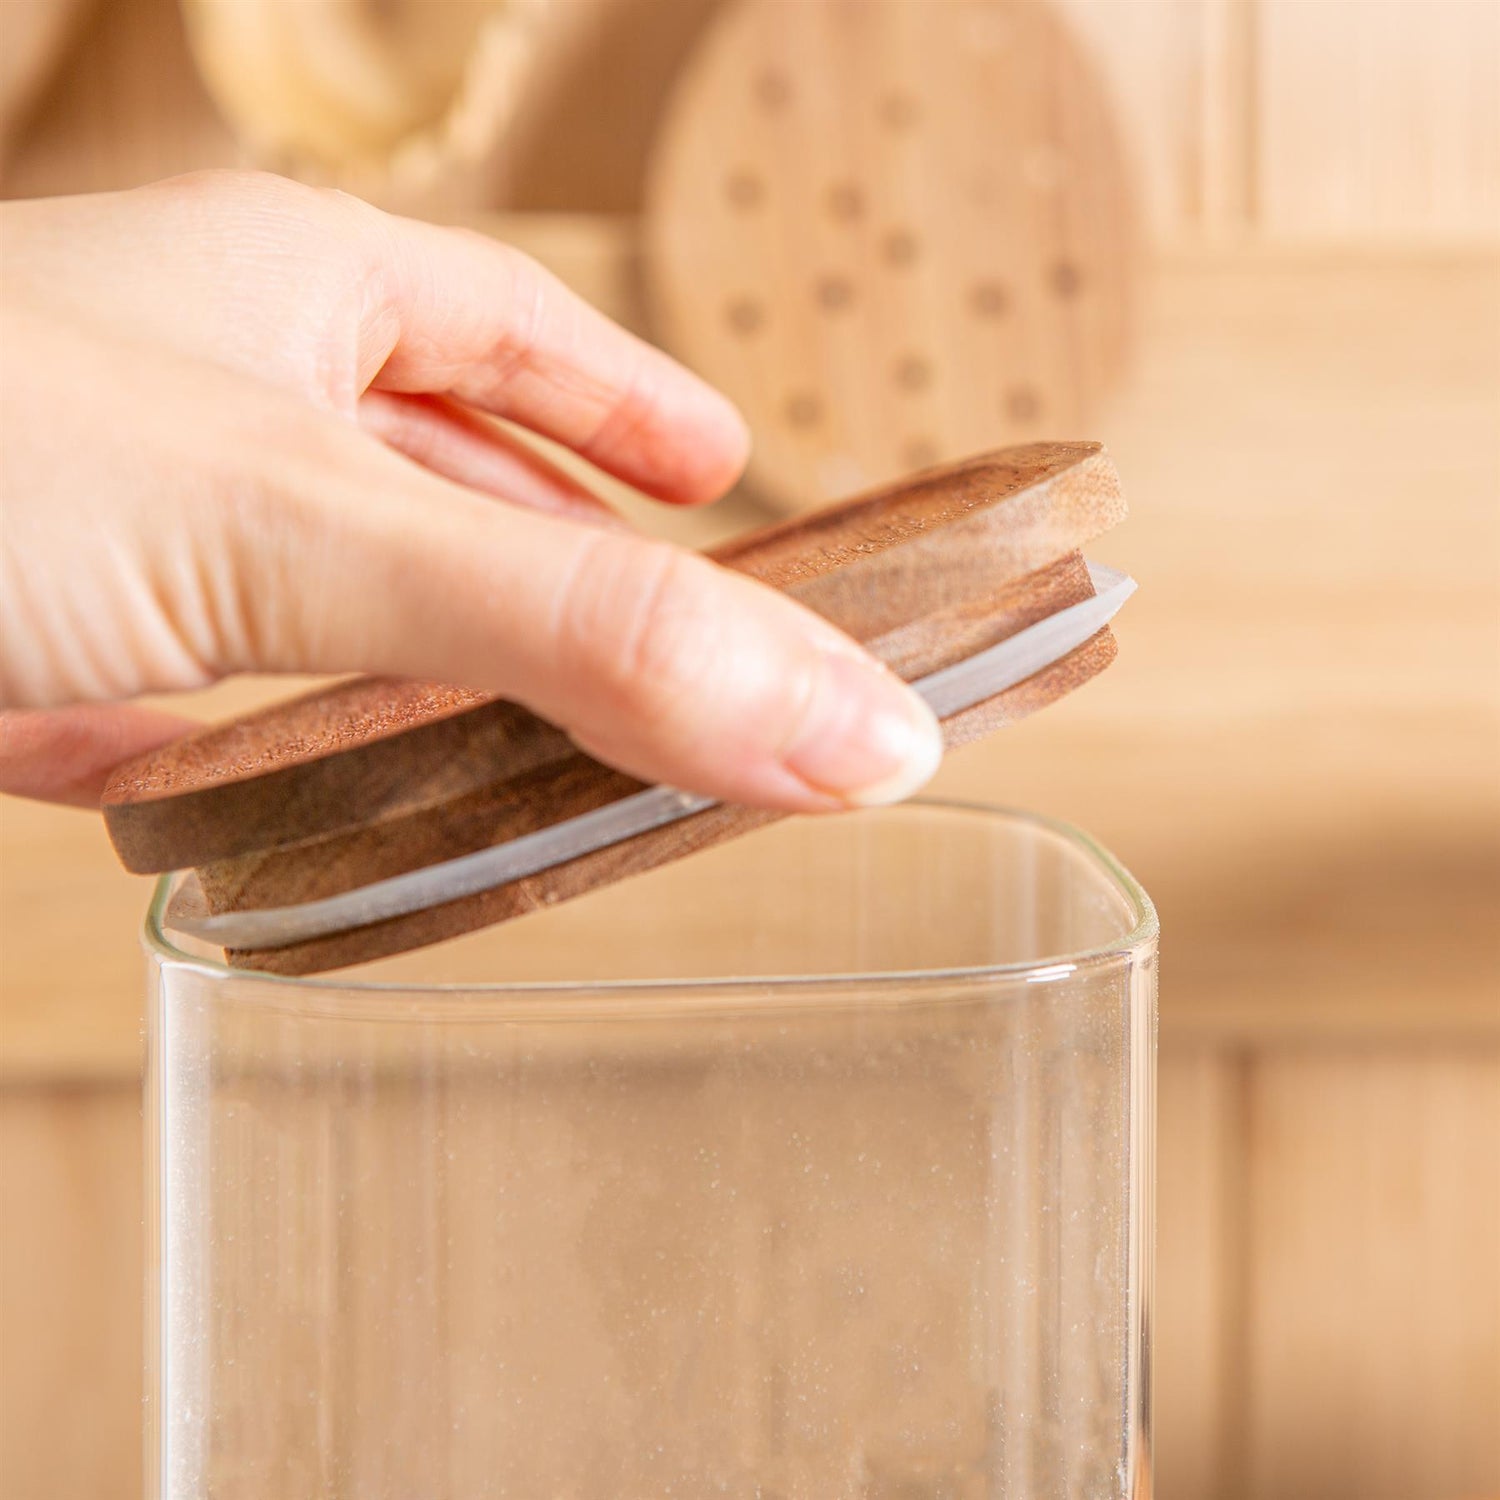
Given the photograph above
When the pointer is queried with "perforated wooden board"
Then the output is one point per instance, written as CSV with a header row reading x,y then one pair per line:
x,y
894,231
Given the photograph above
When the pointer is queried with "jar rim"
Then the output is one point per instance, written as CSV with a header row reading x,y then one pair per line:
x,y
1136,942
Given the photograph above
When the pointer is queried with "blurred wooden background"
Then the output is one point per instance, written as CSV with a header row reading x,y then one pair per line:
x,y
1298,751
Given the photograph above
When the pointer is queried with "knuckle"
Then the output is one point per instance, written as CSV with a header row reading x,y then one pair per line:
x,y
627,420
644,618
237,184
531,296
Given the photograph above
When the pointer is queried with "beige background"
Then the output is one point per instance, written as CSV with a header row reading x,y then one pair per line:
x,y
1298,752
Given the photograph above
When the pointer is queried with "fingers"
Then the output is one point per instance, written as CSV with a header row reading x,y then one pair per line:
x,y
473,450
653,658
461,314
66,754
322,294
679,671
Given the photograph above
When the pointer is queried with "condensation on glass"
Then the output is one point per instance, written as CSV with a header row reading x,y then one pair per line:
x,y
816,1166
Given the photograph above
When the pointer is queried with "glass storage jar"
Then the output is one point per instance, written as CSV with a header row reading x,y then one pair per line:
x,y
818,1165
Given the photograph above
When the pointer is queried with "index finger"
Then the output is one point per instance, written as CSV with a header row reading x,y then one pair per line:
x,y
458,313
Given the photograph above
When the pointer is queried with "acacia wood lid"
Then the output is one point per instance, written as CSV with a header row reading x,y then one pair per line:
x,y
371,777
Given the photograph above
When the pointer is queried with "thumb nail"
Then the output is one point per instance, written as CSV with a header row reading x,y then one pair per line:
x,y
866,738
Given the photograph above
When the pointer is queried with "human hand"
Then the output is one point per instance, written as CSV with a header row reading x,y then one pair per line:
x,y
243,430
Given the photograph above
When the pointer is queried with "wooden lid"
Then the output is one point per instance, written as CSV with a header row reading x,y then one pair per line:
x,y
369,778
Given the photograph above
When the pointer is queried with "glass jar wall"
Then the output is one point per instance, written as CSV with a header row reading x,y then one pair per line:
x,y
815,1166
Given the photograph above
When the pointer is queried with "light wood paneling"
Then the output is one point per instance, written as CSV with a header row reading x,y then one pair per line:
x,y
1350,121
37,34
70,1293
1296,750
68,1008
1373,1329
126,107
1328,1286
1179,75
620,55
1377,119
1200,1267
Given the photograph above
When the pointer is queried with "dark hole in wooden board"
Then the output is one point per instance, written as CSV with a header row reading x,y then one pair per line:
x,y
745,316
913,373
803,409
845,201
773,90
1066,279
900,111
744,189
1023,403
834,293
989,299
899,247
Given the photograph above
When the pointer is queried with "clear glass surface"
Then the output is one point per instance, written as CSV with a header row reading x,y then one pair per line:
x,y
818,1165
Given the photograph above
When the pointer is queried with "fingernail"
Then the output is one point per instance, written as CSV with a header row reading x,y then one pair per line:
x,y
867,738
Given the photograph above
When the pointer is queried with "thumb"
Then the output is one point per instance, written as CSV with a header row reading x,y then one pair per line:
x,y
653,658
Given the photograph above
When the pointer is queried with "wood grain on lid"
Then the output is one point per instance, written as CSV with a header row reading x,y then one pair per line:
x,y
324,722
372,751
371,778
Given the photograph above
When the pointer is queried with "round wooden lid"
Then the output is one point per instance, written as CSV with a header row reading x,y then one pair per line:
x,y
370,778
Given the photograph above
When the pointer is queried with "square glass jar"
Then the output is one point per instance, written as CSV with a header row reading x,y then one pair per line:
x,y
817,1166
